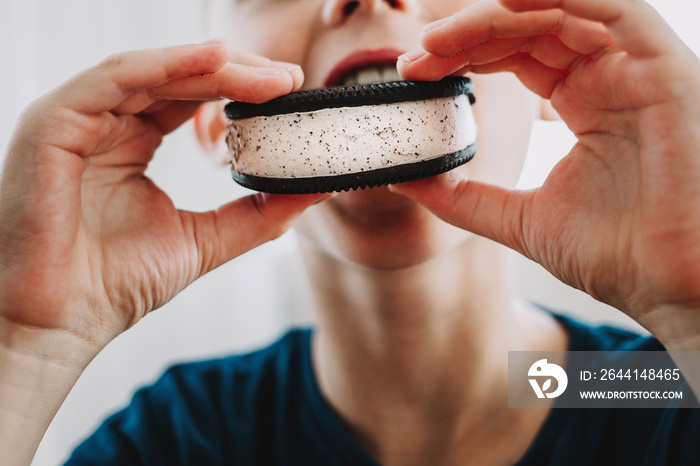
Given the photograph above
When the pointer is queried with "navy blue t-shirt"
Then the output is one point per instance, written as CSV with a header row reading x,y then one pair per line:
x,y
265,408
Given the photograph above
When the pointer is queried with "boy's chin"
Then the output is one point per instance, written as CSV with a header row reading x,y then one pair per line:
x,y
379,229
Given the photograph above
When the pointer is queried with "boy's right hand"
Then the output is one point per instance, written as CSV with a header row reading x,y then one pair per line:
x,y
619,216
88,244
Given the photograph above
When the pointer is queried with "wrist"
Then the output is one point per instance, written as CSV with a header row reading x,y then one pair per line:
x,y
38,368
47,346
677,327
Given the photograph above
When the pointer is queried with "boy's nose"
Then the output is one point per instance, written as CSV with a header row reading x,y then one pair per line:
x,y
336,12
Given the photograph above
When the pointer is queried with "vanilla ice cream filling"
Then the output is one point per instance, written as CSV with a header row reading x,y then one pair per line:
x,y
346,140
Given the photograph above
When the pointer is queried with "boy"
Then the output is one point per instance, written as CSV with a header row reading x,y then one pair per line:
x,y
408,363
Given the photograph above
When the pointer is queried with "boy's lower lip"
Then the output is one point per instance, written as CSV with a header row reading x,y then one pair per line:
x,y
359,60
378,199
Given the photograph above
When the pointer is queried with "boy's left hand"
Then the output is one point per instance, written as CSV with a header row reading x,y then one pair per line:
x,y
619,217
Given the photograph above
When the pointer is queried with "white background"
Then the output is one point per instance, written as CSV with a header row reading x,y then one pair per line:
x,y
249,301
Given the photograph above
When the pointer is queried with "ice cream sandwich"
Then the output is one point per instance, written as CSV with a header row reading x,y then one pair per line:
x,y
351,137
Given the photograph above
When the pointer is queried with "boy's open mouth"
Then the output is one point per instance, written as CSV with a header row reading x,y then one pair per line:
x,y
365,67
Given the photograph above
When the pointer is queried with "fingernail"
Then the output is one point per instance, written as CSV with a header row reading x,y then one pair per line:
x,y
436,24
285,65
209,42
413,55
267,71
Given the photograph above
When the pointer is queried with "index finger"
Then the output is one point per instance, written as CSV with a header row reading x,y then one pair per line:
x,y
104,86
488,19
246,77
233,81
633,24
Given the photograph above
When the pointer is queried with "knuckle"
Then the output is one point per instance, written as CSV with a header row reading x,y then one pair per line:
x,y
463,190
272,226
560,23
520,62
530,44
113,61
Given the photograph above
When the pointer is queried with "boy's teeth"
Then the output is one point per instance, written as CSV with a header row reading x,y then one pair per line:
x,y
372,75
368,76
391,74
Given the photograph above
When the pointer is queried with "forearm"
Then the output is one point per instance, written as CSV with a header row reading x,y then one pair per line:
x,y
36,374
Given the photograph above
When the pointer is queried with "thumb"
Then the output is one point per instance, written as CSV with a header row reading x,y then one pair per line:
x,y
243,224
489,211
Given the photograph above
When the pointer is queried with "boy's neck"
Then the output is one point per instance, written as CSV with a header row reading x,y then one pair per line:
x,y
420,354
